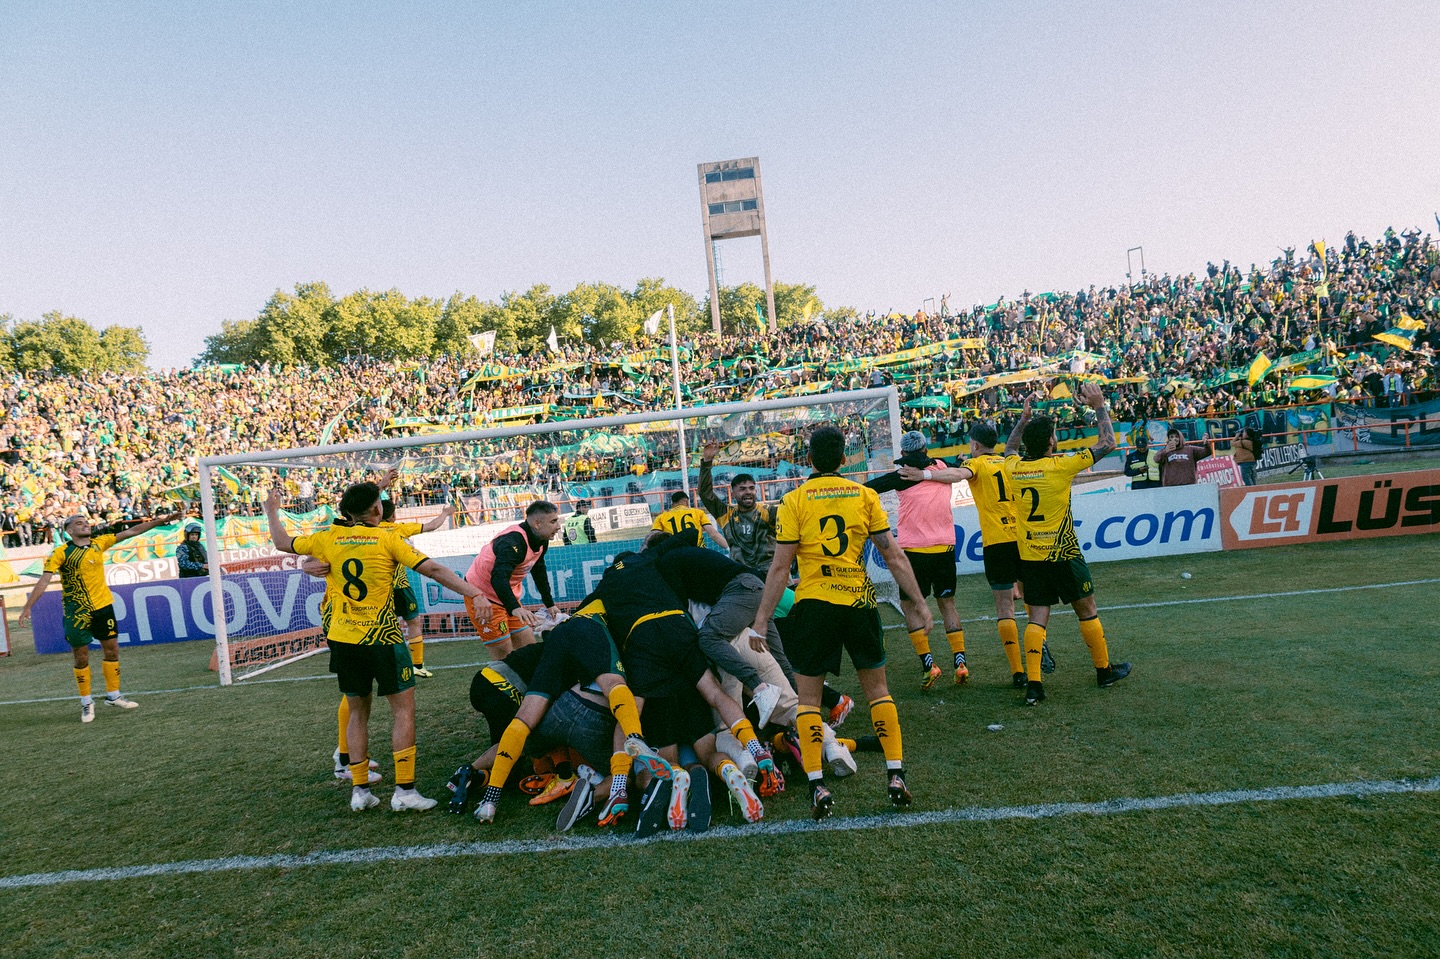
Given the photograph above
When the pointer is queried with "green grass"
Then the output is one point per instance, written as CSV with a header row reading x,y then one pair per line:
x,y
1225,695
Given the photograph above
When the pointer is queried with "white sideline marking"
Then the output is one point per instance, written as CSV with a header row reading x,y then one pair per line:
x,y
1061,611
978,619
790,827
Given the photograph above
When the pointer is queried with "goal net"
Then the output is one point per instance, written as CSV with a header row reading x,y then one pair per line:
x,y
617,472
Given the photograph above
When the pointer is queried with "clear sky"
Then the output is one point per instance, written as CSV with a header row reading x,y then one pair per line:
x,y
171,164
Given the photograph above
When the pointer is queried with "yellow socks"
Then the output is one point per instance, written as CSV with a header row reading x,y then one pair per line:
x,y
360,773
1010,637
886,720
957,645
342,721
507,753
82,681
112,676
417,652
812,740
622,707
1034,641
745,734
620,764
920,639
405,768
1094,636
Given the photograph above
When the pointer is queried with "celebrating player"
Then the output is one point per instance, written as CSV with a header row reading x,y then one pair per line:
x,y
367,647
747,525
89,613
1051,563
499,573
681,515
825,522
927,535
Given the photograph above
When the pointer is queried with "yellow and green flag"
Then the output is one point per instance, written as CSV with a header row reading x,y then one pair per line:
x,y
1258,368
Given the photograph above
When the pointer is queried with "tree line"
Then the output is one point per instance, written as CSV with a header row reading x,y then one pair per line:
x,y
68,344
313,326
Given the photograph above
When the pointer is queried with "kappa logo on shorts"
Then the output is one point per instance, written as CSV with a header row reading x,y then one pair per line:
x,y
1273,515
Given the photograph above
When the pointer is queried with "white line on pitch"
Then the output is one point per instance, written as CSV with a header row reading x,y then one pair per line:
x,y
1216,599
978,619
789,827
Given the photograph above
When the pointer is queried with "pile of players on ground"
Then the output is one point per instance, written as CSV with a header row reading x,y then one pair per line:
x,y
569,702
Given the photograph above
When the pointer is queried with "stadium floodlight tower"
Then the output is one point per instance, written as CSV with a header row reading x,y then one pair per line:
x,y
732,205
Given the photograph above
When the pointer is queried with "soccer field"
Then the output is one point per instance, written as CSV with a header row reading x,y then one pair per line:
x,y
1265,783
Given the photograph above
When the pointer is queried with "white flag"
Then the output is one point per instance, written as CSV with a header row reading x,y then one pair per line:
x,y
484,343
652,325
552,340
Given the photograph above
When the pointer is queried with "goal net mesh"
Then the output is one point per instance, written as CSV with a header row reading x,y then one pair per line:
x,y
619,471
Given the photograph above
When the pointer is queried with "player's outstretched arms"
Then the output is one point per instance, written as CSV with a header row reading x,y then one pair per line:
x,y
1013,441
148,526
949,474
40,585
448,578
439,521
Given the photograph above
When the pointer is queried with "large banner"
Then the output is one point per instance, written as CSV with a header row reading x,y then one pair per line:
x,y
1122,525
1355,507
1386,429
256,604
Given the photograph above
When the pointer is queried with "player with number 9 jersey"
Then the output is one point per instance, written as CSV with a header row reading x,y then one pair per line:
x,y
360,584
830,518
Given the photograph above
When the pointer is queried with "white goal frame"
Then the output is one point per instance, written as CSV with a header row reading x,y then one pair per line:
x,y
303,457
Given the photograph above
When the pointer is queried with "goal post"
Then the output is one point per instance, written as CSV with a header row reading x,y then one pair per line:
x,y
624,465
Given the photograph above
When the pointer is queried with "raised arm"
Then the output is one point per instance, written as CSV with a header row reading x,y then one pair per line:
x,y
707,479
439,521
1094,397
279,535
148,526
1017,432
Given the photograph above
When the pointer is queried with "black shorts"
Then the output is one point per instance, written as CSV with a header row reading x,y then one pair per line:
x,y
1063,581
1002,565
663,658
934,571
676,720
98,626
406,606
816,632
576,651
376,667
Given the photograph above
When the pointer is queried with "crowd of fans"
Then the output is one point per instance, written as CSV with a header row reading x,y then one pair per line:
x,y
111,444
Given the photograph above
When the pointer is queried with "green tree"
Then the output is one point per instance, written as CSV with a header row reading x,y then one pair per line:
x,y
237,342
598,314
124,347
460,317
791,300
653,293
7,348
385,326
528,317
66,344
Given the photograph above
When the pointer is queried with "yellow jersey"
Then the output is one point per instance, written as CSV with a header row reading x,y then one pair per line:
x,y
404,531
1041,488
830,517
360,584
682,517
82,578
993,499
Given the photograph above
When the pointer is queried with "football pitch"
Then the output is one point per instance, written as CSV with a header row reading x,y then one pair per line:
x,y
1265,783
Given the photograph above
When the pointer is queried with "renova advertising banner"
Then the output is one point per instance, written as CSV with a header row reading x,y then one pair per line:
x,y
1355,507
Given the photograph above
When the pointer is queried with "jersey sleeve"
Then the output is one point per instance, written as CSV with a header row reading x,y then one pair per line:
x,y
402,552
1076,462
102,543
55,560
409,529
656,524
306,545
877,521
787,523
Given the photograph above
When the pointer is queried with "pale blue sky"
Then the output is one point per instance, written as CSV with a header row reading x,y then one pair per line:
x,y
172,164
